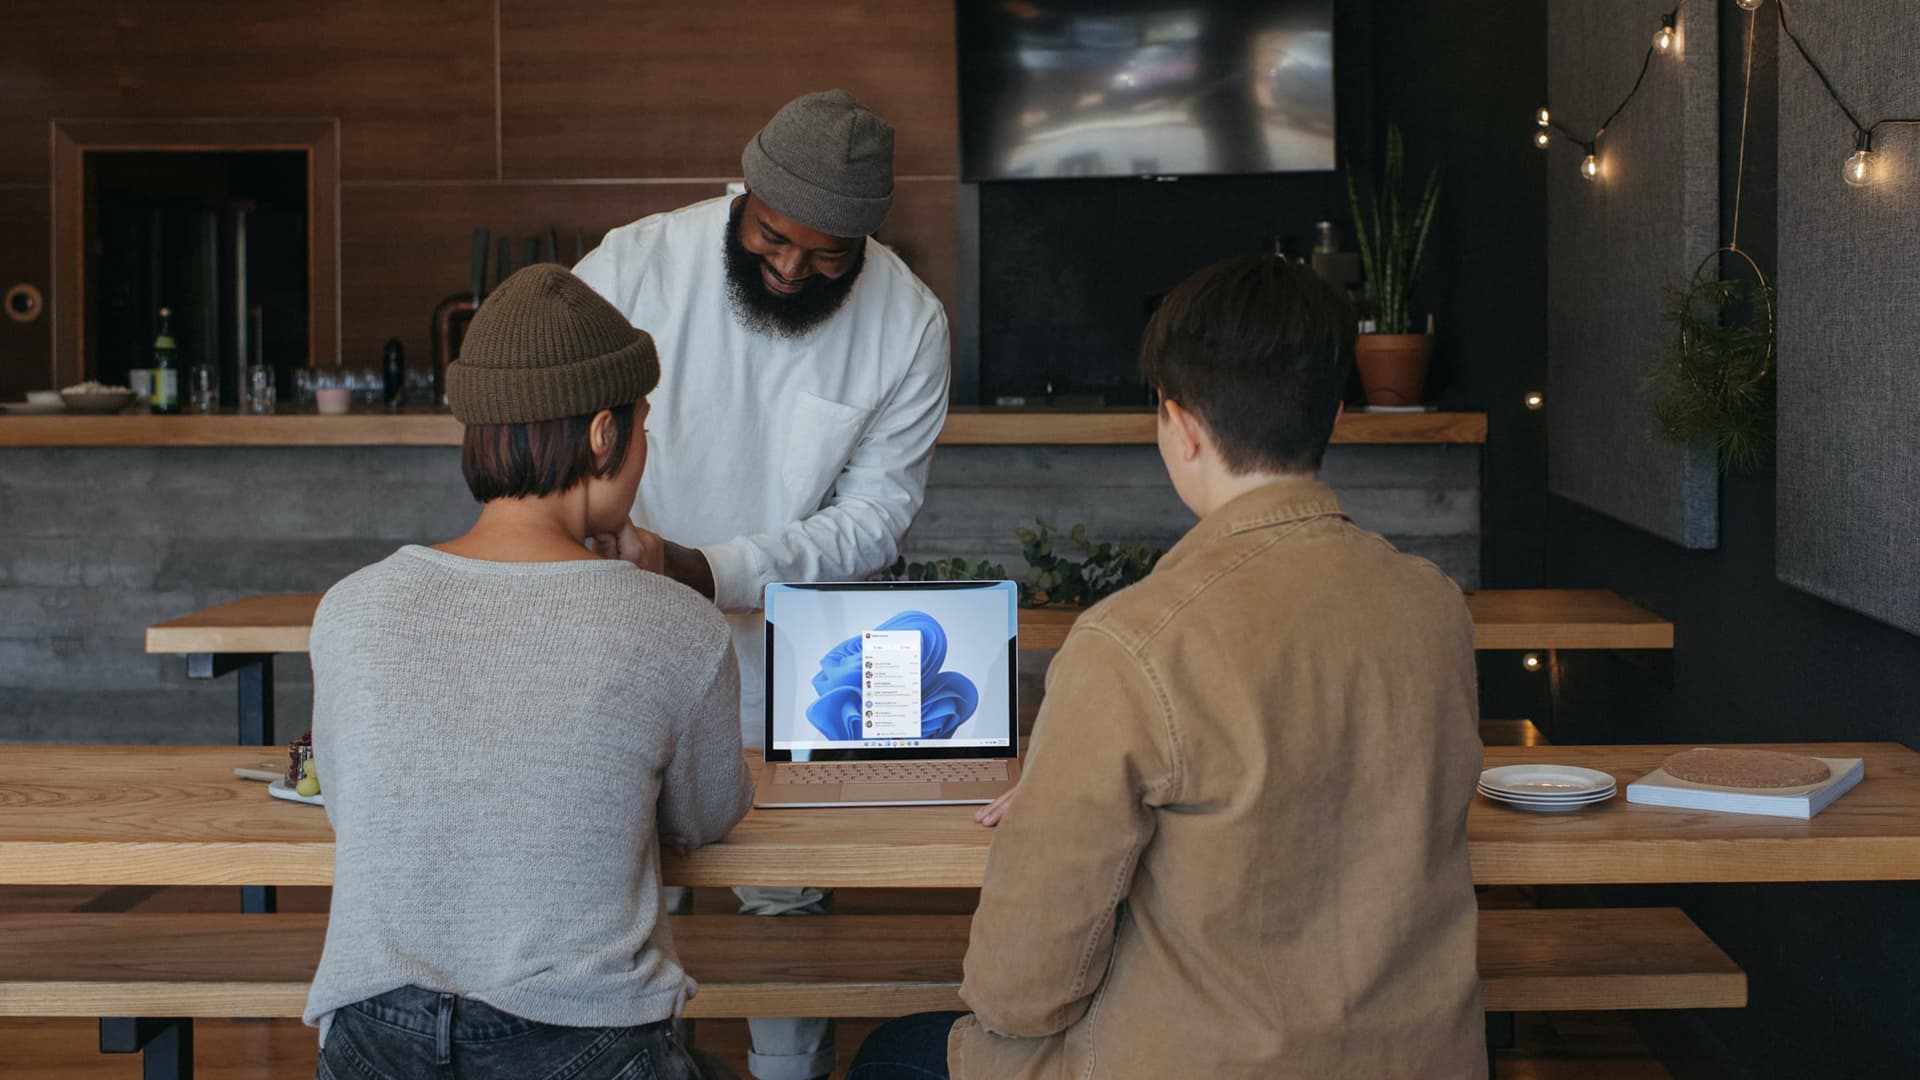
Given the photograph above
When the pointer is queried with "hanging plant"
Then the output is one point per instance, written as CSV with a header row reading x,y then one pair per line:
x,y
1716,380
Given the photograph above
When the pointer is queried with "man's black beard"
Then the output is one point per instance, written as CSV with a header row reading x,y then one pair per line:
x,y
763,311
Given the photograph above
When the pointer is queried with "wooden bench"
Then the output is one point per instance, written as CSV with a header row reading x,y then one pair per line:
x,y
152,975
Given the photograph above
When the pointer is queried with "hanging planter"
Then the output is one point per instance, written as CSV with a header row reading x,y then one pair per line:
x,y
1715,382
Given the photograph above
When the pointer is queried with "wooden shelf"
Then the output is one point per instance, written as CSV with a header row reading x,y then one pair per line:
x,y
965,427
1503,619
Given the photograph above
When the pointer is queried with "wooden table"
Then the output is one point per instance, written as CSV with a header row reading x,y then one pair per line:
x,y
117,815
1503,619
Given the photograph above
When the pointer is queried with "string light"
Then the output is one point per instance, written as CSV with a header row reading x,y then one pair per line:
x,y
1663,41
1531,661
1535,400
1859,168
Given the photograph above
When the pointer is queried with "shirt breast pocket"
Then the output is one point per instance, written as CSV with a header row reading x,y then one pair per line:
x,y
821,435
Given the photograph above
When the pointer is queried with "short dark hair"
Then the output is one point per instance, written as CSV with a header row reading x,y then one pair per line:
x,y
511,461
1257,348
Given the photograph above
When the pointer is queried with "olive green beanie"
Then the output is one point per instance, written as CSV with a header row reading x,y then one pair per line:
x,y
545,346
826,161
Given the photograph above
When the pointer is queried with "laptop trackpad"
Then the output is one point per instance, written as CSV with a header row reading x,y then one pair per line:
x,y
888,792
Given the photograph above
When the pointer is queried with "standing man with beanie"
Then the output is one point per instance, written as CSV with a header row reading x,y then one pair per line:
x,y
804,375
510,726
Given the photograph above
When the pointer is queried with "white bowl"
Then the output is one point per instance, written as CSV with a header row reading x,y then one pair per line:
x,y
44,397
110,401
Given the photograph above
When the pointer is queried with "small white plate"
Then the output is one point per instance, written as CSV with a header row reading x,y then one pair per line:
x,y
1549,780
1508,796
280,789
1541,806
1584,796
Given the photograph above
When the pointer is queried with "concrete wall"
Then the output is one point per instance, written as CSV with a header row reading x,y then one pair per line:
x,y
96,545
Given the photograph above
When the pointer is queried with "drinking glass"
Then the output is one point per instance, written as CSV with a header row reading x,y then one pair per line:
x,y
303,387
202,389
260,389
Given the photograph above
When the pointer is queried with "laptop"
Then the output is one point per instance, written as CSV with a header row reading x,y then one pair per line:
x,y
885,693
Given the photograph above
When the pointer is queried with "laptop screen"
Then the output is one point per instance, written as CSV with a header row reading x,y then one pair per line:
x,y
877,670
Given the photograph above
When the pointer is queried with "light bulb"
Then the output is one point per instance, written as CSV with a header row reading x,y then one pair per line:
x,y
1535,400
1859,168
1531,661
1748,5
1663,38
1590,168
1543,117
1542,139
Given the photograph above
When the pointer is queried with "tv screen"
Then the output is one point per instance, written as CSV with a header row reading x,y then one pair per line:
x,y
1068,88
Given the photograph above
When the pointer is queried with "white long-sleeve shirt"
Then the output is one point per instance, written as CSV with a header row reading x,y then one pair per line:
x,y
781,459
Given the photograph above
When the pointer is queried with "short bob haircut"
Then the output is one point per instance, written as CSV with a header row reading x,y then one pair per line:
x,y
514,461
1258,349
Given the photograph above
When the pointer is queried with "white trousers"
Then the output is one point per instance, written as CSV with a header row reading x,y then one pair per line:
x,y
784,1048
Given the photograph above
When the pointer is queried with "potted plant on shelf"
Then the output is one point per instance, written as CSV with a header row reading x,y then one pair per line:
x,y
1391,353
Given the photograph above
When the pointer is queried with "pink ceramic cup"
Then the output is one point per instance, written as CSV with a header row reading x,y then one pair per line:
x,y
333,400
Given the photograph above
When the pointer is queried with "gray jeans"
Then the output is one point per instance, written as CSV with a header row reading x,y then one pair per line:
x,y
784,1048
412,1033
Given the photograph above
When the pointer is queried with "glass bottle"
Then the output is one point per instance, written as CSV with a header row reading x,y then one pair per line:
x,y
166,371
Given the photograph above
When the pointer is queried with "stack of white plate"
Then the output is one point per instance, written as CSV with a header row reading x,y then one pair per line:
x,y
1546,788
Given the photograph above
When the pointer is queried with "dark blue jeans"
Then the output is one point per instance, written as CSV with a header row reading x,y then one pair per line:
x,y
411,1032
910,1048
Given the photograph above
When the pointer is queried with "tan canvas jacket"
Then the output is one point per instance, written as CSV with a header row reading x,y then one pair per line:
x,y
1239,846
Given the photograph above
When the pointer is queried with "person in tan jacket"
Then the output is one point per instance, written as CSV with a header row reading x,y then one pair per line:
x,y
1239,847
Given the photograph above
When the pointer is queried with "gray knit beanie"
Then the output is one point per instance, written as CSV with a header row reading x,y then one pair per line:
x,y
825,161
545,346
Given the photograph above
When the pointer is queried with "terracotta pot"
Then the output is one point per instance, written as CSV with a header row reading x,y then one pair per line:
x,y
1393,367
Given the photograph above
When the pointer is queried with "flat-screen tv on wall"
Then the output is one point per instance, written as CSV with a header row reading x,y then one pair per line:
x,y
1071,88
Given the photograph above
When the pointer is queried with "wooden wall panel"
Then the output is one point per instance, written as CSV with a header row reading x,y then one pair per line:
x,y
412,82
677,87
404,248
25,348
923,230
650,100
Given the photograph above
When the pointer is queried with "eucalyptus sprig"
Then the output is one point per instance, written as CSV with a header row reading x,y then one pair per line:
x,y
1061,568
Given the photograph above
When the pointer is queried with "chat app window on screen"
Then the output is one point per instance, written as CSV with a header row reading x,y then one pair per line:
x,y
890,695
884,669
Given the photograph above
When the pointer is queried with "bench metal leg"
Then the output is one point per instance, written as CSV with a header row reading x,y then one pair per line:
x,y
1500,1036
167,1044
253,681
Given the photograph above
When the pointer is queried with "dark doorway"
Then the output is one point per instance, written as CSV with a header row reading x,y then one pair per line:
x,y
217,236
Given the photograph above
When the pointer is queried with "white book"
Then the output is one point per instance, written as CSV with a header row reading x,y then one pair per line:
x,y
1658,789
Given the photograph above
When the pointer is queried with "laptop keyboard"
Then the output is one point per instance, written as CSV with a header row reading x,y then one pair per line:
x,y
889,772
